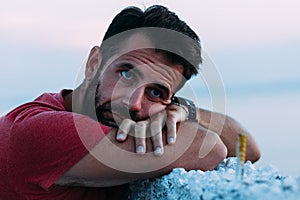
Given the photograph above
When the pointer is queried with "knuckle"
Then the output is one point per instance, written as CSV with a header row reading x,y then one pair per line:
x,y
172,114
157,140
127,121
160,116
156,124
140,140
139,136
141,124
171,121
172,107
126,124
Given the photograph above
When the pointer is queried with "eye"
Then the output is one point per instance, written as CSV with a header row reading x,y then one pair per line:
x,y
155,93
127,74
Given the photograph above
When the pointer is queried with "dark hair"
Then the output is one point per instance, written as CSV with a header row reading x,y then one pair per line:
x,y
181,50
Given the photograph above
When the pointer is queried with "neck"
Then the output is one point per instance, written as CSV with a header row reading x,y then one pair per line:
x,y
75,100
82,100
68,101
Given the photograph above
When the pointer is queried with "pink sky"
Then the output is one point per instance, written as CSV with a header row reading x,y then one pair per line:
x,y
221,24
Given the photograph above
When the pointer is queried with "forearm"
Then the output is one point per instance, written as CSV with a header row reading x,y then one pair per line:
x,y
228,129
113,163
195,148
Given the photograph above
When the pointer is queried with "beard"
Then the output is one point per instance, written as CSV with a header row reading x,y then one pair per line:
x,y
104,111
113,115
100,109
105,116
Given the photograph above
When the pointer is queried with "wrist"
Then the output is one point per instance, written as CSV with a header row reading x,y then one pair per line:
x,y
188,106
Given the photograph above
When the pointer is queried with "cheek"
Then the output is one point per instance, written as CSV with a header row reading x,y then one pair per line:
x,y
108,88
107,83
103,90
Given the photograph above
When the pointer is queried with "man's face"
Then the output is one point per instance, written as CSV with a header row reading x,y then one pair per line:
x,y
136,85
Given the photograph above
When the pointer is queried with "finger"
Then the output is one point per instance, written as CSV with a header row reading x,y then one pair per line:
x,y
140,137
158,143
175,114
156,133
124,129
171,128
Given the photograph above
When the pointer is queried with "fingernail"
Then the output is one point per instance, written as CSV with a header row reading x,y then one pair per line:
x,y
171,140
120,136
140,149
158,151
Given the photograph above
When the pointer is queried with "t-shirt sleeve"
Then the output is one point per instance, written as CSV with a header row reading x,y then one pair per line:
x,y
45,145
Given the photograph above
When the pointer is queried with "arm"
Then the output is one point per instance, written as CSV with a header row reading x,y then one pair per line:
x,y
113,163
226,127
228,132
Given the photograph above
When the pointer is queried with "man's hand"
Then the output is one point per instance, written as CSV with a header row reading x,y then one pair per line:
x,y
152,128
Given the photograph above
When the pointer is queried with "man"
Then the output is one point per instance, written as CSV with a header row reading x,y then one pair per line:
x,y
122,123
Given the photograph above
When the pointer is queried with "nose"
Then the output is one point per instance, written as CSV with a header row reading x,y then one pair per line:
x,y
135,99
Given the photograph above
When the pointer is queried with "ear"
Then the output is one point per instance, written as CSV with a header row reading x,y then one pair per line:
x,y
93,63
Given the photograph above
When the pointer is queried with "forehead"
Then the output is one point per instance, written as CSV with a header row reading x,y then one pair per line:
x,y
139,43
134,42
138,52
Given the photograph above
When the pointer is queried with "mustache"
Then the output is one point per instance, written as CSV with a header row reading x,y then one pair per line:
x,y
121,111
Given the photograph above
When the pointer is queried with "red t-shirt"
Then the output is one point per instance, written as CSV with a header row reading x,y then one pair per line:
x,y
39,141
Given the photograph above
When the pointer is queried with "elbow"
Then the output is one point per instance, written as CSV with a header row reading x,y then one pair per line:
x,y
216,155
254,155
220,153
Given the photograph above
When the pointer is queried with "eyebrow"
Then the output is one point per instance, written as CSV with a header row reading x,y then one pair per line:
x,y
129,66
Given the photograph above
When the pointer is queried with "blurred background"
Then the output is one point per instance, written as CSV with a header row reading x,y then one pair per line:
x,y
254,45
